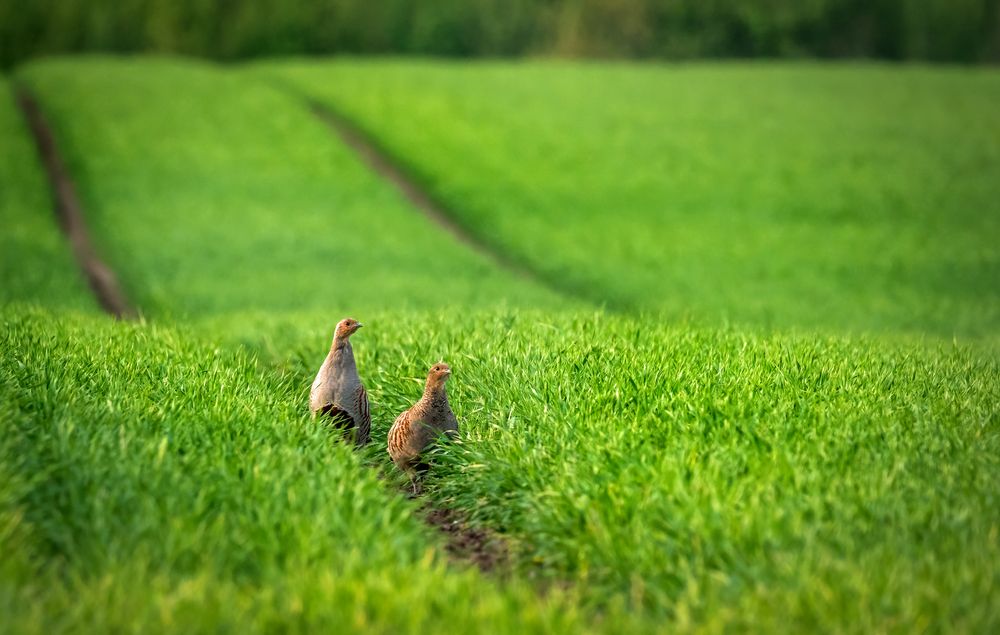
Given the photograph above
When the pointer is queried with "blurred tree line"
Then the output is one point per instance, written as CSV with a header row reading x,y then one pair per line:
x,y
941,30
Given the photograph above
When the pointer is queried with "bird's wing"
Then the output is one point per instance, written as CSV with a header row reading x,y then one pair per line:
x,y
452,423
403,420
364,416
337,417
319,394
399,434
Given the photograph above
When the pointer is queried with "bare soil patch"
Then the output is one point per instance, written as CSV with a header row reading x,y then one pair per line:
x,y
466,544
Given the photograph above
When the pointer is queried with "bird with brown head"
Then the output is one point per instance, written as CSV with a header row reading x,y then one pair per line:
x,y
337,394
417,427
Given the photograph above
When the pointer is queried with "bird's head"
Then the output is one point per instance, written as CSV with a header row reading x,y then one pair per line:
x,y
346,328
438,374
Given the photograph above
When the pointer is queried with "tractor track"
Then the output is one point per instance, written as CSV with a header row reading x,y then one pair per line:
x,y
382,164
101,278
475,546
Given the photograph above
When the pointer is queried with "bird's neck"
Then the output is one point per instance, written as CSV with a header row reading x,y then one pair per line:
x,y
435,395
341,353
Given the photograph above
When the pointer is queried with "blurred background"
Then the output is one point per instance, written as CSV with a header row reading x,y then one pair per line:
x,y
966,31
824,164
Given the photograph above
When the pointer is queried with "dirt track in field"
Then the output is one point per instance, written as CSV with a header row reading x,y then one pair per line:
x,y
383,165
100,277
480,547
466,544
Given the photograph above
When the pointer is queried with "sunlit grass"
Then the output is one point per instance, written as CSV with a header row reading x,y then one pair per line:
x,y
152,481
685,477
711,478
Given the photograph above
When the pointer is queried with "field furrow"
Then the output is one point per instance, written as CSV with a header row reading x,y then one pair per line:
x,y
36,264
380,163
103,281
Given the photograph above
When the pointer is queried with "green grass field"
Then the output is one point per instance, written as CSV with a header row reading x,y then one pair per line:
x,y
230,195
785,195
683,435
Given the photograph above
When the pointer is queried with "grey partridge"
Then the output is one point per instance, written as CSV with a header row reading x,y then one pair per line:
x,y
337,392
417,427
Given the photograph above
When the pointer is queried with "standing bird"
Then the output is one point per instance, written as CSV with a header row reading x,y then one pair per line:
x,y
417,427
337,391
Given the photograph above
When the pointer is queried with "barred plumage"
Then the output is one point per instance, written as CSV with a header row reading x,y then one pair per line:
x,y
337,392
417,427
365,423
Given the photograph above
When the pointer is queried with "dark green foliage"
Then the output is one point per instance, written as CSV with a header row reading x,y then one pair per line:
x,y
955,30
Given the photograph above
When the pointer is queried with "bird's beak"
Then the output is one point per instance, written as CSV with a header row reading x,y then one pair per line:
x,y
359,325
447,372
